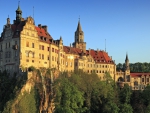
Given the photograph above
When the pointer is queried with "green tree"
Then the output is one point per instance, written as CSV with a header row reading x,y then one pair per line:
x,y
68,98
137,102
124,97
126,108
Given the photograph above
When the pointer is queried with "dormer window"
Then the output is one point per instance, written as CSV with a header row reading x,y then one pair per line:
x,y
41,38
45,39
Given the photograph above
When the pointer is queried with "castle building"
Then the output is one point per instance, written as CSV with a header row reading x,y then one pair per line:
x,y
23,44
136,81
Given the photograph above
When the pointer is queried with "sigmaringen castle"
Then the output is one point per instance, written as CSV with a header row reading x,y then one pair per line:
x,y
23,44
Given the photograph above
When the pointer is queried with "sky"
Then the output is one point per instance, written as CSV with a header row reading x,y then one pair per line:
x,y
124,24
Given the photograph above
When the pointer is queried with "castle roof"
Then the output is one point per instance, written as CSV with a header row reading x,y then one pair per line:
x,y
79,27
42,33
18,9
72,50
98,56
139,74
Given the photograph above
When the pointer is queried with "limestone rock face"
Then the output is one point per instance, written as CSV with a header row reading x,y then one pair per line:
x,y
38,89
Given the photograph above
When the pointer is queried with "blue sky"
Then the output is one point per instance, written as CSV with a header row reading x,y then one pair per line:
x,y
125,24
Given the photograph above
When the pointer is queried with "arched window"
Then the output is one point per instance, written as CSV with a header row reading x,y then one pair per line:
x,y
135,83
120,79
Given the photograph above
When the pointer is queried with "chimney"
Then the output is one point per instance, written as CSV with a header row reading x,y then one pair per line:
x,y
39,25
70,47
97,50
44,27
89,50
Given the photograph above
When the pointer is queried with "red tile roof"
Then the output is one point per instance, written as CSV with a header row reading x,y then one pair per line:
x,y
139,74
72,50
99,57
42,33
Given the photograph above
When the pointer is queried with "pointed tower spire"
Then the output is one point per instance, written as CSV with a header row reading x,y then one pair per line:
x,y
127,57
79,26
127,62
18,13
18,9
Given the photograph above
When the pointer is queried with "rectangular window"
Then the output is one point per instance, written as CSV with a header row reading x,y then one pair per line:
x,y
147,79
42,47
39,56
39,47
52,58
27,60
32,61
48,58
27,44
32,45
42,56
52,49
6,45
47,48
142,79
9,44
32,55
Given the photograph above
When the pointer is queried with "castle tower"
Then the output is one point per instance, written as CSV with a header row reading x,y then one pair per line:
x,y
127,63
79,38
18,14
8,21
127,69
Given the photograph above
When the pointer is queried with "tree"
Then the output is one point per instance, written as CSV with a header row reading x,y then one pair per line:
x,y
68,98
126,108
124,97
119,67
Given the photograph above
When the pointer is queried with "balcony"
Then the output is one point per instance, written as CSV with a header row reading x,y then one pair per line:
x,y
15,47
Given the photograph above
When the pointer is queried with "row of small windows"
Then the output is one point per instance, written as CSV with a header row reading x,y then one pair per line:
x,y
7,54
98,71
94,65
7,45
145,80
27,60
29,34
27,44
